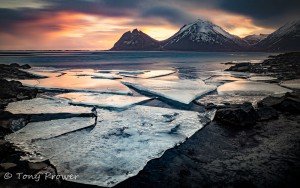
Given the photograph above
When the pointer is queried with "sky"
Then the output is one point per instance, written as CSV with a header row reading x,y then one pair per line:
x,y
98,24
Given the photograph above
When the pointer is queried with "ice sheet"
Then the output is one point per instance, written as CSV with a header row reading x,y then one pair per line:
x,y
43,74
294,84
232,99
262,78
45,106
78,83
93,74
250,88
182,91
43,139
103,100
149,74
123,142
134,72
50,129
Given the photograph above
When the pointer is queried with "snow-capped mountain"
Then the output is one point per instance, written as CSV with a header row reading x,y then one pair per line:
x,y
136,40
286,38
203,35
254,39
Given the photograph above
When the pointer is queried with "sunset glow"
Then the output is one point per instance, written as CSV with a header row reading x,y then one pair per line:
x,y
101,23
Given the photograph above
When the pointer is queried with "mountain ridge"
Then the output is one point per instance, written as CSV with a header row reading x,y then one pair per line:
x,y
203,35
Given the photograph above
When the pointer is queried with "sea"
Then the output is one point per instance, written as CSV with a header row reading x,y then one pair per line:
x,y
129,60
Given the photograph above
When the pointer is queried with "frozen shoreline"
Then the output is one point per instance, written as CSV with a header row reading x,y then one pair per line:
x,y
185,173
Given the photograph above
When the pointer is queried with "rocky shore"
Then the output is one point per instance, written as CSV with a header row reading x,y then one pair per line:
x,y
10,157
283,66
244,145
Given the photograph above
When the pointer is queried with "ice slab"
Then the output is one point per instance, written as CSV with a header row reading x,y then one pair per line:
x,y
123,142
149,74
106,76
45,106
41,140
103,100
93,74
127,72
250,88
231,99
44,73
294,84
50,129
262,78
78,83
182,91
219,80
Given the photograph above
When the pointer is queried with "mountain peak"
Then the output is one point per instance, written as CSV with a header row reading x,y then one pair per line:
x,y
254,39
203,35
136,40
135,31
286,38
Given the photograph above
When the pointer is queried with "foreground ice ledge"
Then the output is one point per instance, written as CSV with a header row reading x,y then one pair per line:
x,y
182,91
123,142
118,147
45,106
35,132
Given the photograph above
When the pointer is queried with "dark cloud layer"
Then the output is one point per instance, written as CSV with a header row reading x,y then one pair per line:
x,y
25,23
172,15
266,12
263,12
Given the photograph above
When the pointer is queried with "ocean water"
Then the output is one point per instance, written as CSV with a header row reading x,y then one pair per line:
x,y
128,60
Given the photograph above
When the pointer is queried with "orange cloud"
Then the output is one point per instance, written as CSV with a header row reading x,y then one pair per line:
x,y
72,30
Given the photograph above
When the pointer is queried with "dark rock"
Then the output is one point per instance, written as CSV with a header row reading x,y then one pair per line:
x,y
290,102
15,90
11,122
283,66
290,105
37,166
184,172
26,66
4,146
229,63
240,67
18,123
237,115
266,113
15,65
49,170
7,166
270,101
13,71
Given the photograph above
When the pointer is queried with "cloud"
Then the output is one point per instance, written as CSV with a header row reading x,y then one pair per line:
x,y
268,13
49,21
171,14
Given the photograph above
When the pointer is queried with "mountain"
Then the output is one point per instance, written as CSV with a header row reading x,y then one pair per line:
x,y
254,39
136,40
203,36
286,38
